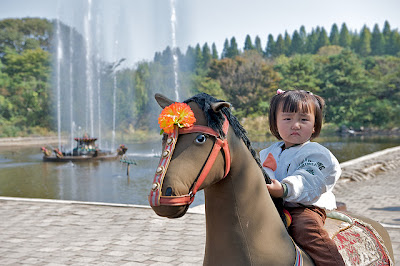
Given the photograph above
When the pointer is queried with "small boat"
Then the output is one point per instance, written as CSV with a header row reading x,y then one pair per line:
x,y
85,150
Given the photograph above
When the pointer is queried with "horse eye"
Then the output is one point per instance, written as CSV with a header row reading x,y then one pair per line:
x,y
201,139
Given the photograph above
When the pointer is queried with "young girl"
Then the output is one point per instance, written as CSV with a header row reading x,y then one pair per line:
x,y
304,172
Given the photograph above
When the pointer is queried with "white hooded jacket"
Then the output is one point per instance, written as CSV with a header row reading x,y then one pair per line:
x,y
309,170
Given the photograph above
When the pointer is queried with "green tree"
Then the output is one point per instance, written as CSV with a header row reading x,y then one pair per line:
x,y
166,57
248,44
26,33
347,90
270,49
207,85
279,48
288,44
189,60
214,51
297,44
233,48
206,55
198,58
141,83
303,35
248,82
230,48
257,45
312,40
364,47
225,50
29,74
345,37
386,31
334,35
393,44
300,73
6,106
377,41
323,39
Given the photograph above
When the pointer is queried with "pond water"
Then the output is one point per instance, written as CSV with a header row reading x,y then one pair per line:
x,y
24,174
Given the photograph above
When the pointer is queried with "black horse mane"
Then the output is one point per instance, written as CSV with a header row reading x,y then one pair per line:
x,y
215,120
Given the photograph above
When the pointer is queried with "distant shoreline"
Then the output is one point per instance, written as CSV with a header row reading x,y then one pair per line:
x,y
28,141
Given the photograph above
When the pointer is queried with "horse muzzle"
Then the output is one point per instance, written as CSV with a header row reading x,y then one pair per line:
x,y
170,211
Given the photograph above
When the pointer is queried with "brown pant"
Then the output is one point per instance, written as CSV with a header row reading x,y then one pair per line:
x,y
308,232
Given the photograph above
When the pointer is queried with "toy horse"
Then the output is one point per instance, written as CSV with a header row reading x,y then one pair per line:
x,y
205,147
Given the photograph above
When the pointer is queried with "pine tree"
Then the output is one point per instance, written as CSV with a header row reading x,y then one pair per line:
x,y
387,32
323,39
393,44
189,62
198,57
345,37
233,48
270,49
334,35
377,42
355,41
288,43
279,46
206,55
364,47
303,34
214,51
248,45
312,40
167,57
225,51
297,44
257,45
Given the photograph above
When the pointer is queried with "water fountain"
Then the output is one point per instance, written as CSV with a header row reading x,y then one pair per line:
x,y
58,85
78,74
90,49
174,47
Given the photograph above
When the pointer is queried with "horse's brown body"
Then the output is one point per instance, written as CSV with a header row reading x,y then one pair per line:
x,y
243,226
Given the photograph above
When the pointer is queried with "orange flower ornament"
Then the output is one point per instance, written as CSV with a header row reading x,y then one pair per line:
x,y
179,114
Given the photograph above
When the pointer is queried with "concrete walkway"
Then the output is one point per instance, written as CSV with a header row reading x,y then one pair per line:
x,y
50,232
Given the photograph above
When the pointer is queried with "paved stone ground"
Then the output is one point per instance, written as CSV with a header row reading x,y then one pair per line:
x,y
46,232
64,233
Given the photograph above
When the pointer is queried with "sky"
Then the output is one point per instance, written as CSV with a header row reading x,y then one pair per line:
x,y
136,29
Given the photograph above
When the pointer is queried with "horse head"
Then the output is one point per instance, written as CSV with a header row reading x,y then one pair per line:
x,y
193,157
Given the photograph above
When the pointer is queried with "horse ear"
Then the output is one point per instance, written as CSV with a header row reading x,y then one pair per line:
x,y
217,106
162,100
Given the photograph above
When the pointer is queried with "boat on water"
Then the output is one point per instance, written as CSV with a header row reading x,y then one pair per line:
x,y
85,150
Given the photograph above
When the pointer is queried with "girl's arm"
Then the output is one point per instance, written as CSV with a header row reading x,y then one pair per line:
x,y
315,174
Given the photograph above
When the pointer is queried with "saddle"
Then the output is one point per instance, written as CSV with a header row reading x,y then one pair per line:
x,y
357,241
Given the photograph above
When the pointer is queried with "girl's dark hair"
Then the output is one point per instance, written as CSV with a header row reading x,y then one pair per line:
x,y
296,101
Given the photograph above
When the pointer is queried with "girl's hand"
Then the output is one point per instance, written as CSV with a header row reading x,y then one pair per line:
x,y
275,189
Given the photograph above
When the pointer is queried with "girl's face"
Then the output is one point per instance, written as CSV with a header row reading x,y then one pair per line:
x,y
295,128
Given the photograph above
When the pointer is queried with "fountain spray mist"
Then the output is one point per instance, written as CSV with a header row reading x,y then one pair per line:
x,y
98,70
59,59
91,36
71,88
89,71
174,48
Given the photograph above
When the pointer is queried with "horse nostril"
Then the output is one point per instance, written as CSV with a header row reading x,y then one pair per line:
x,y
168,192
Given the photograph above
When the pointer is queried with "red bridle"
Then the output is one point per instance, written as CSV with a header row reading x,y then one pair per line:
x,y
156,198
